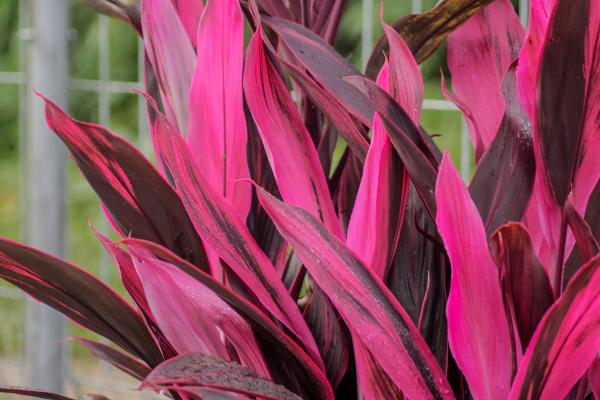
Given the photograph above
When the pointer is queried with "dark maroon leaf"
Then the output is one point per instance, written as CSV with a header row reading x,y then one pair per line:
x,y
347,126
565,83
276,8
259,224
418,275
133,285
129,277
292,153
566,341
203,371
222,228
408,140
377,383
327,19
79,295
40,394
425,32
584,237
325,65
141,203
593,376
393,114
524,280
330,334
592,217
503,181
344,186
362,300
125,363
378,212
151,88
415,255
479,53
288,362
327,145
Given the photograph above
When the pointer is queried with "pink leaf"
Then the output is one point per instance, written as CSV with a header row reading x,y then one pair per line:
x,y
567,108
129,276
362,300
479,54
373,234
416,149
129,186
539,14
406,83
377,215
192,316
543,214
184,325
287,360
217,127
324,64
584,237
379,208
373,382
221,227
565,128
79,296
566,340
588,172
376,219
593,376
525,284
478,331
172,57
290,150
543,218
133,285
348,127
190,12
503,181
299,176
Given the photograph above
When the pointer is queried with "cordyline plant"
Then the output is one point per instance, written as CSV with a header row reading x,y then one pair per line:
x,y
257,274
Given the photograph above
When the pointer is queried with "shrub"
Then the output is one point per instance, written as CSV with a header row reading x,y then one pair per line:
x,y
257,273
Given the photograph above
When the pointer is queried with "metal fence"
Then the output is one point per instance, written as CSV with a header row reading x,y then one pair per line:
x,y
23,369
104,378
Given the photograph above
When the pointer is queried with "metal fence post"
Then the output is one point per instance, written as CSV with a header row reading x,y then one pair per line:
x,y
524,11
366,43
46,185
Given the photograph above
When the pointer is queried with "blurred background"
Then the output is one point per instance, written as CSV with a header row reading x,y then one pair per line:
x,y
101,60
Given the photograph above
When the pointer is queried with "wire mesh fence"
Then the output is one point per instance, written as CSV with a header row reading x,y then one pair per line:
x,y
83,374
104,90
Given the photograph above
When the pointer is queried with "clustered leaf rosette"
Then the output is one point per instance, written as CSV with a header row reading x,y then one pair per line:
x,y
263,266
